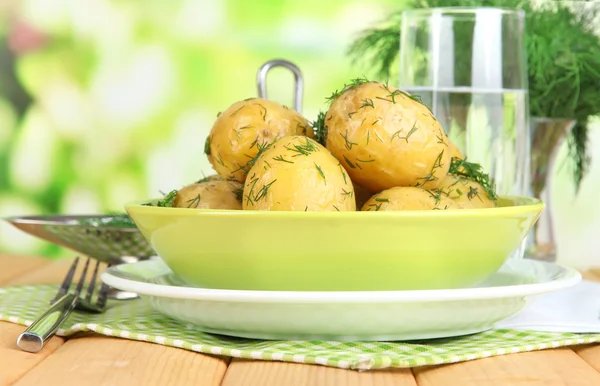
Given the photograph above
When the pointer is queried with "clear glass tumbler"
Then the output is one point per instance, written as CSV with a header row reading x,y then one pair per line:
x,y
469,66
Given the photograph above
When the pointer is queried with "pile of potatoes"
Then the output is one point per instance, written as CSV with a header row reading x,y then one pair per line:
x,y
376,148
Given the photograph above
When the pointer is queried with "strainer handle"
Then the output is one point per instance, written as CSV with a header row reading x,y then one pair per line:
x,y
261,80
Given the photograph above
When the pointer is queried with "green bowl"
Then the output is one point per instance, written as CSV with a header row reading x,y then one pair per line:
x,y
336,251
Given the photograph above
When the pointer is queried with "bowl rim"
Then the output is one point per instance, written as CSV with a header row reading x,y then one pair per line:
x,y
67,221
530,204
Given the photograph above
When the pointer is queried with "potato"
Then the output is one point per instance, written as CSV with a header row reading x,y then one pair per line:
x,y
213,194
298,174
466,193
385,138
408,198
246,126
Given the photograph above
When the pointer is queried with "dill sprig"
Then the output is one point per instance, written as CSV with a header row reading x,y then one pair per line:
x,y
194,202
167,201
303,149
320,128
239,193
354,83
207,145
473,172
321,173
245,168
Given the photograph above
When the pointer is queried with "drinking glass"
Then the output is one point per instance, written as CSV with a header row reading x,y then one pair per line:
x,y
469,66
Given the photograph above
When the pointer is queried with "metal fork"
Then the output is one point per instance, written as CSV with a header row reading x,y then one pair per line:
x,y
45,326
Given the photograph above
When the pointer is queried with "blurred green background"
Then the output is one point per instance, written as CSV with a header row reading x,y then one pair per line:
x,y
104,102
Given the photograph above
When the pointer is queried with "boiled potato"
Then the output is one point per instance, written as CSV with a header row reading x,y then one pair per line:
x,y
212,194
466,193
385,138
298,174
408,198
245,127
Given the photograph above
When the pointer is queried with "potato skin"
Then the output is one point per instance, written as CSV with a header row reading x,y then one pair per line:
x,y
408,198
298,174
246,125
466,193
385,139
212,194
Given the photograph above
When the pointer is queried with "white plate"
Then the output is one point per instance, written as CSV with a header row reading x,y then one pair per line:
x,y
347,316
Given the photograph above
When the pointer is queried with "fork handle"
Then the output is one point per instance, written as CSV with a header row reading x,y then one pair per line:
x,y
45,326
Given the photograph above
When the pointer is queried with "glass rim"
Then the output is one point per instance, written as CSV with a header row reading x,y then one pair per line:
x,y
427,12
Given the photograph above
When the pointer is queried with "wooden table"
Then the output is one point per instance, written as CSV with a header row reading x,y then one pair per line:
x,y
89,359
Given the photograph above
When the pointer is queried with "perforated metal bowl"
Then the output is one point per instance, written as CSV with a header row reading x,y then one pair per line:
x,y
91,235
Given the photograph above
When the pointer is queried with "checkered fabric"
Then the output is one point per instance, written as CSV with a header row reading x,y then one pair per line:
x,y
137,320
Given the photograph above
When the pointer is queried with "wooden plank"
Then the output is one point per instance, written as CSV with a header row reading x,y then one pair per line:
x,y
246,372
12,266
14,362
103,360
548,367
51,273
590,354
592,275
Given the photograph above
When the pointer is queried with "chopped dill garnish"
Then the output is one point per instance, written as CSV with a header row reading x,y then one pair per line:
x,y
377,207
304,149
239,193
167,201
343,171
281,159
320,128
336,208
354,83
237,111
369,160
379,199
207,145
263,112
245,168
194,201
473,192
367,103
321,173
219,159
346,193
431,176
440,137
349,163
407,136
474,172
262,193
347,142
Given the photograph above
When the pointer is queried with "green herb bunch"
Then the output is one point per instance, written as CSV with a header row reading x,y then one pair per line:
x,y
563,53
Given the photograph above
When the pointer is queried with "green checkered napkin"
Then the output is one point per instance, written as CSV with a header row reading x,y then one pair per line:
x,y
137,320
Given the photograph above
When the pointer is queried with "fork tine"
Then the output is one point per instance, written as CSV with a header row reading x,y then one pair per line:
x,y
64,287
82,279
92,284
103,296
